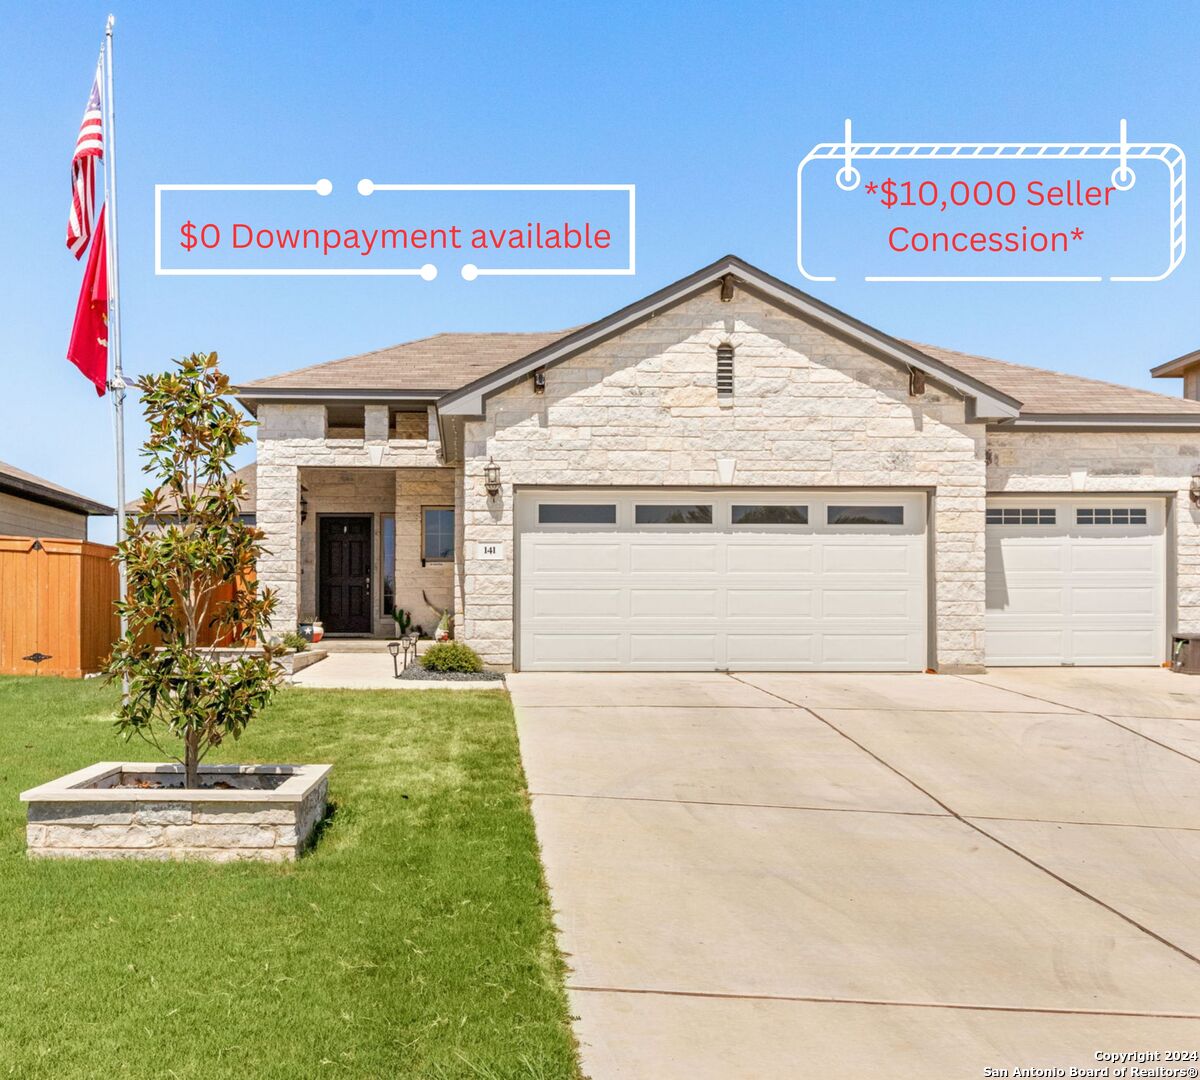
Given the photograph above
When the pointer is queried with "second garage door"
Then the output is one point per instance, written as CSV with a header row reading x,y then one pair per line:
x,y
671,580
1076,580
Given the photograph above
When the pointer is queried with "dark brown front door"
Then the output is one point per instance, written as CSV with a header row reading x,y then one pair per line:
x,y
344,575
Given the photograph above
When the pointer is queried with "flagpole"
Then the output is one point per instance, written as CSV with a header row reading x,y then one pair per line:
x,y
116,381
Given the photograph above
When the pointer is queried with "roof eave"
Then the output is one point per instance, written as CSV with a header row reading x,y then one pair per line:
x,y
78,504
1177,368
989,403
1100,422
253,396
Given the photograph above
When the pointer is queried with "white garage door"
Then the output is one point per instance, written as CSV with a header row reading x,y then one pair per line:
x,y
1076,581
669,580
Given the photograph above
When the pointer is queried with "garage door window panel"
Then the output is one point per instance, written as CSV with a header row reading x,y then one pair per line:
x,y
769,514
1110,515
1021,515
577,514
864,515
672,514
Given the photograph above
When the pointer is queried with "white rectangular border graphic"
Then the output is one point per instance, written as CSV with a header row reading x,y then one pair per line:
x,y
1171,156
366,188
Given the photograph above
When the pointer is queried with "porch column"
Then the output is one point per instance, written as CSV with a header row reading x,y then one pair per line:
x,y
278,509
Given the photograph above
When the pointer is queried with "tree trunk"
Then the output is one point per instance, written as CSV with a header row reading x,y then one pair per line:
x,y
191,759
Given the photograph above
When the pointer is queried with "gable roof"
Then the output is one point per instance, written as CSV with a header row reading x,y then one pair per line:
x,y
988,402
459,371
247,474
14,481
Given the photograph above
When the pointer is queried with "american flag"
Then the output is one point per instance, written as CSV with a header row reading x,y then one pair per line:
x,y
89,148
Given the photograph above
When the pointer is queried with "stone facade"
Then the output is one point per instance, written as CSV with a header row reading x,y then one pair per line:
x,y
808,411
85,815
642,410
394,468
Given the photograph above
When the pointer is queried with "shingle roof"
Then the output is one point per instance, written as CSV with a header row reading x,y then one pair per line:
x,y
247,474
19,482
447,362
1042,391
440,363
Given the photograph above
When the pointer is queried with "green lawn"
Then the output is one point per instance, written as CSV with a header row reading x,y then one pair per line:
x,y
415,940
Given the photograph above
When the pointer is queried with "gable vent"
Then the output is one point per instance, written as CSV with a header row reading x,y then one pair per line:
x,y
724,372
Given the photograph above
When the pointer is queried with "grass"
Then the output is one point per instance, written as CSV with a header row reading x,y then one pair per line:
x,y
415,940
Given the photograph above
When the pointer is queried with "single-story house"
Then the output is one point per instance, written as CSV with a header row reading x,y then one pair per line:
x,y
731,474
31,506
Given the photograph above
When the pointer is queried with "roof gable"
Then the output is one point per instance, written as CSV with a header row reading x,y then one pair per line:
x,y
988,402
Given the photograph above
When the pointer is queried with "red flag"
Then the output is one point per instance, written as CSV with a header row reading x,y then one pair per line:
x,y
88,348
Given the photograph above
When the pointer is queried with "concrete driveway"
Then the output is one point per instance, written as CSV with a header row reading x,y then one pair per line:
x,y
767,876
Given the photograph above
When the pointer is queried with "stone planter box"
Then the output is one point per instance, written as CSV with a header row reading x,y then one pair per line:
x,y
141,810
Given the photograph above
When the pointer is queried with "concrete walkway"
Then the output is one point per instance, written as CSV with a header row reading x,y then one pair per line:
x,y
767,876
374,671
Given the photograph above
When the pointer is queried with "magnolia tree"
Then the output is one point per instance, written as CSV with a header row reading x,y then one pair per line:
x,y
189,563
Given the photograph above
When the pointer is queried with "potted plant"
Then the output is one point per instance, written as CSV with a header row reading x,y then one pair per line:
x,y
189,581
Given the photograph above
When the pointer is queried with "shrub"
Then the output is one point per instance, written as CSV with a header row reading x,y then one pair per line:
x,y
293,640
452,656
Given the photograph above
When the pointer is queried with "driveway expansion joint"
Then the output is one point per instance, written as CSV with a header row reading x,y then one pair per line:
x,y
881,1002
983,832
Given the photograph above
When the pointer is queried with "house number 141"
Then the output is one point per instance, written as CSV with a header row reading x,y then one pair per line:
x,y
489,550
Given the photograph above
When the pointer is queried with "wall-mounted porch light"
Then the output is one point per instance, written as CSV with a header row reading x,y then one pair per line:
x,y
539,381
1194,490
491,478
303,504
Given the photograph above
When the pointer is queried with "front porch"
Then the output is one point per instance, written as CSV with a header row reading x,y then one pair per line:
x,y
368,540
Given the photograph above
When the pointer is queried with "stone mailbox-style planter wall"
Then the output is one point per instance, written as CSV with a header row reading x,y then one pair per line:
x,y
140,810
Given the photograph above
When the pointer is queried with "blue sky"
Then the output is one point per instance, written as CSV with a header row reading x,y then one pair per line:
x,y
707,108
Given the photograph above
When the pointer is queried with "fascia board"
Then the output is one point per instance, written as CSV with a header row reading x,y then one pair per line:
x,y
1101,422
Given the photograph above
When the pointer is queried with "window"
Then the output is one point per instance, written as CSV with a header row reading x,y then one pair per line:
x,y
1021,515
724,372
770,515
437,534
672,515
387,557
1110,515
865,515
577,514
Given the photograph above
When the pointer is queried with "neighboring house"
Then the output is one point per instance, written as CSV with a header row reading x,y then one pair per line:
x,y
31,506
168,511
56,589
732,474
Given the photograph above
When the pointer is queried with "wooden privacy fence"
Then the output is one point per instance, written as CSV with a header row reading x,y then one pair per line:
x,y
56,601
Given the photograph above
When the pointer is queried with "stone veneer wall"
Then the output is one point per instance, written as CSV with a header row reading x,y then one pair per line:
x,y
292,439
1114,461
808,411
216,832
